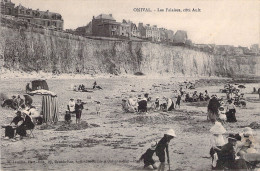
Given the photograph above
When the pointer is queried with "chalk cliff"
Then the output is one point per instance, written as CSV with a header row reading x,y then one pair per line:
x,y
50,51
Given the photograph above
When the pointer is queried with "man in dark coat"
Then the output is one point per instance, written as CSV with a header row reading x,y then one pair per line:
x,y
227,155
213,108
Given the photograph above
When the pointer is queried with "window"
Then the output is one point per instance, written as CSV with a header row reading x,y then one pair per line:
x,y
49,23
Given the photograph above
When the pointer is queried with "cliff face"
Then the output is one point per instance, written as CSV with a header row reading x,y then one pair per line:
x,y
51,51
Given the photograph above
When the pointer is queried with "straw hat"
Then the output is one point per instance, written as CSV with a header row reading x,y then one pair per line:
x,y
247,131
153,145
171,132
157,97
217,128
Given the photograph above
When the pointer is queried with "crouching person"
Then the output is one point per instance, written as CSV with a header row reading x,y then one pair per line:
x,y
26,125
147,157
67,117
227,155
162,146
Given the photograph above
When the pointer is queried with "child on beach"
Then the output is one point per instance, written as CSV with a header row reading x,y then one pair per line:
x,y
67,117
147,157
178,101
162,146
98,106
78,110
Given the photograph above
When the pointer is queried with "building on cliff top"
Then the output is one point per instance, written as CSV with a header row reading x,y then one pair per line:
x,y
84,30
105,26
45,19
7,7
149,32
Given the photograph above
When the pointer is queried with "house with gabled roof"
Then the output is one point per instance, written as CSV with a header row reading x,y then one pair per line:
x,y
105,26
45,19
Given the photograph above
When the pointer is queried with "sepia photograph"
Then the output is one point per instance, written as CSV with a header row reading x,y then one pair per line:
x,y
130,85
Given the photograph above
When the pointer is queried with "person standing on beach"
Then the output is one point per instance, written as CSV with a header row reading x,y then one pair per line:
x,y
178,101
213,108
98,106
163,146
231,112
78,110
71,106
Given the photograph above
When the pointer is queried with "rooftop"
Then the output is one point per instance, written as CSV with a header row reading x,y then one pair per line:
x,y
105,16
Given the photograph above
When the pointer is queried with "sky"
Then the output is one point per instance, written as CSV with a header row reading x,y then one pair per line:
x,y
221,22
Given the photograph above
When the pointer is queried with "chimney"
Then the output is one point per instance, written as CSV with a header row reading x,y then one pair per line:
x,y
148,24
110,15
93,17
140,25
47,11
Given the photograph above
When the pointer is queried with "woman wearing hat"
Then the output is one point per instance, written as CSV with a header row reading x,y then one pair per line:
x,y
231,111
216,141
162,146
149,163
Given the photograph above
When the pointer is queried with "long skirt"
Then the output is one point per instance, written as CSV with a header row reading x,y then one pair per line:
x,y
212,116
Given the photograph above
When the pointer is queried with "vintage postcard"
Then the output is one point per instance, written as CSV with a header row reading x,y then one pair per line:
x,y
130,85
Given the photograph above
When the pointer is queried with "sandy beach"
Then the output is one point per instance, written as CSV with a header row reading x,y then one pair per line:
x,y
115,140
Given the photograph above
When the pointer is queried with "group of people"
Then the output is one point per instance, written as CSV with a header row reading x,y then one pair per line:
x,y
19,125
218,110
16,102
236,153
82,87
74,107
146,104
194,97
77,108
